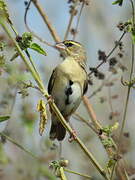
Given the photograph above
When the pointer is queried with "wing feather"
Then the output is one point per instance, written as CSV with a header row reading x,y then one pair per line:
x,y
85,86
51,81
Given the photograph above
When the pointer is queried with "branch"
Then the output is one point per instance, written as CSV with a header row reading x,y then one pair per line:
x,y
72,15
18,145
29,29
110,53
91,113
46,20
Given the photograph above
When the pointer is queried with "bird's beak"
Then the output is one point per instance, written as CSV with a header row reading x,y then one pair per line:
x,y
60,46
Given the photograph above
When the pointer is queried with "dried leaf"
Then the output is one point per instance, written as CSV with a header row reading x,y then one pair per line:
x,y
41,107
37,48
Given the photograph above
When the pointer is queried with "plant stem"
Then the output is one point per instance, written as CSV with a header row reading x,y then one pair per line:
x,y
128,93
29,29
80,174
110,53
91,113
62,174
32,63
78,20
18,145
70,21
129,87
46,20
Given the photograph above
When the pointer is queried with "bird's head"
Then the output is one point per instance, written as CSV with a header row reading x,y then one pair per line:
x,y
73,49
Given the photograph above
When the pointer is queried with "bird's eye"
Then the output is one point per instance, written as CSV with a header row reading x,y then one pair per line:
x,y
68,44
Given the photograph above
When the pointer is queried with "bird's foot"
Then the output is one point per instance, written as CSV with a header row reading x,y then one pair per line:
x,y
73,136
49,99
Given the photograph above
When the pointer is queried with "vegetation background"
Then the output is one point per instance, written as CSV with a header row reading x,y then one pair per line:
x,y
98,30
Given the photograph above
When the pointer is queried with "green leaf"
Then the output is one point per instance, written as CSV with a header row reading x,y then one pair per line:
x,y
119,2
37,48
4,12
26,40
4,118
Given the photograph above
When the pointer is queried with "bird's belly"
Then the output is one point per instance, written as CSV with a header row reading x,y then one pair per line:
x,y
67,102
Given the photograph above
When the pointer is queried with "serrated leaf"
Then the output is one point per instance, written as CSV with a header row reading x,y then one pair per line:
x,y
120,2
4,118
4,12
37,48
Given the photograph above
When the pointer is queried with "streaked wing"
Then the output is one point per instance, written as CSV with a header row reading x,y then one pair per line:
x,y
85,86
51,81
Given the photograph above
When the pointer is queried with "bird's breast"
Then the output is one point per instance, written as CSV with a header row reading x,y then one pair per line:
x,y
68,87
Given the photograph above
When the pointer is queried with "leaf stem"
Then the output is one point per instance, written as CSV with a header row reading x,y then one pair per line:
x,y
18,145
77,173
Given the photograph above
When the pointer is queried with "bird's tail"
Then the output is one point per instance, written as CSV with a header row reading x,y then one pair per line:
x,y
57,129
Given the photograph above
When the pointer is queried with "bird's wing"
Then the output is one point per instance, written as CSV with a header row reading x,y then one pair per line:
x,y
51,81
85,86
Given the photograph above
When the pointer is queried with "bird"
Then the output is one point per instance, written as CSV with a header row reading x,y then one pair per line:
x,y
68,84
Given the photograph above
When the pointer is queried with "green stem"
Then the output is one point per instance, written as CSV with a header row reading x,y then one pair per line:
x,y
80,174
32,63
112,172
130,79
62,174
128,92
18,145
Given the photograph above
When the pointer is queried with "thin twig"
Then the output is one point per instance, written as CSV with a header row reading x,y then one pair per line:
x,y
77,173
91,113
78,117
110,99
29,29
128,92
98,126
18,145
110,53
32,63
111,174
72,15
46,20
78,20
129,87
100,87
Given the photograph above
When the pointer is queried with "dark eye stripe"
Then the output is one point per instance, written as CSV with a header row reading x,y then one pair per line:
x,y
69,44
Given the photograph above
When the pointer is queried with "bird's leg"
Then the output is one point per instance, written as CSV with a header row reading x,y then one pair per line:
x,y
50,100
72,135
